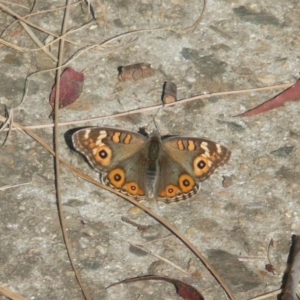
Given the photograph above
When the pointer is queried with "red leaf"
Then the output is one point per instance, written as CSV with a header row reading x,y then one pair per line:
x,y
186,291
270,268
291,94
71,84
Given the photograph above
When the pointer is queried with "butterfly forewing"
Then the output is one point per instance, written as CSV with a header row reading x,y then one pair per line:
x,y
199,156
105,147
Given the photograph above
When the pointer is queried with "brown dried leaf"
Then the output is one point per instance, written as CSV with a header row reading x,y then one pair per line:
x,y
71,84
290,94
136,71
270,268
170,92
184,290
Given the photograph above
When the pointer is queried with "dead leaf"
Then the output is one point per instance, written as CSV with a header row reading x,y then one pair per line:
x,y
169,92
290,94
135,71
270,268
184,290
71,84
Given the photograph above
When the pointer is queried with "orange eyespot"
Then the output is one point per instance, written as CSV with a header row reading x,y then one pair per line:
x,y
186,183
116,177
133,188
201,165
103,155
169,192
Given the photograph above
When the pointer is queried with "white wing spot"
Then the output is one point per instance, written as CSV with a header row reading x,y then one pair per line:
x,y
219,150
87,133
102,135
205,148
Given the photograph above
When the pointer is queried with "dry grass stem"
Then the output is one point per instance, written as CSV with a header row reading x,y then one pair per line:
x,y
10,186
37,41
160,257
12,13
84,291
10,294
151,108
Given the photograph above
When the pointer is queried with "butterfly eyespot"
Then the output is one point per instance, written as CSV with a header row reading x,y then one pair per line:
x,y
133,188
186,183
116,178
169,192
104,155
201,165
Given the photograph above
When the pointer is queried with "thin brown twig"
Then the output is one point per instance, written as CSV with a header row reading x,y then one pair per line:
x,y
37,41
15,4
116,37
159,257
271,243
12,13
154,107
54,69
9,186
42,47
138,226
52,9
10,294
193,27
15,21
57,161
268,295
289,291
31,14
7,123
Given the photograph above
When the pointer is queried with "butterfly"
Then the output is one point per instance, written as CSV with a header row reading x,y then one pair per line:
x,y
168,169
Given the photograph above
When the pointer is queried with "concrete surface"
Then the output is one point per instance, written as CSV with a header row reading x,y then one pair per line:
x,y
238,45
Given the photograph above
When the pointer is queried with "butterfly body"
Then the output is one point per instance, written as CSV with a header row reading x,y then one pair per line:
x,y
168,169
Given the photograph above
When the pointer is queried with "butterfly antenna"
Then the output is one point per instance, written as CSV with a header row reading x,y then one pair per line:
x,y
129,115
156,125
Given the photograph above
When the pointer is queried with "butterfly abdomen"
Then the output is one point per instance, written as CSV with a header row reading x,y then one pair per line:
x,y
152,168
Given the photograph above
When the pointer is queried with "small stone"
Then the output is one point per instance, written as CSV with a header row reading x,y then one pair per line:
x,y
191,231
294,227
102,249
288,214
134,211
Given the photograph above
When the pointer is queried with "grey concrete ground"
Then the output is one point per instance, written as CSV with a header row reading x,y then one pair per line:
x,y
238,45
